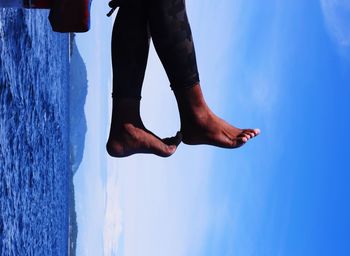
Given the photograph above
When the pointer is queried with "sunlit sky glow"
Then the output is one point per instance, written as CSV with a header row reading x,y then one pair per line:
x,y
280,66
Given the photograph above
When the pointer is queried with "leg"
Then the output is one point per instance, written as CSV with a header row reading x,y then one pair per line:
x,y
130,45
173,41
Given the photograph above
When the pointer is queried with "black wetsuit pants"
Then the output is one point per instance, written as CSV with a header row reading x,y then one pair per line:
x,y
166,22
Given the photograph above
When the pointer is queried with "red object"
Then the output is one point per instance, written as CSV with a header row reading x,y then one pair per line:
x,y
38,4
70,15
65,15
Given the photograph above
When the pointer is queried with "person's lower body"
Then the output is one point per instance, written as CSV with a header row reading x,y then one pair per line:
x,y
130,46
166,21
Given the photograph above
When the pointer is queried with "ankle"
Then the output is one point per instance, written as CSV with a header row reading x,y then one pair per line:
x,y
191,103
126,111
192,96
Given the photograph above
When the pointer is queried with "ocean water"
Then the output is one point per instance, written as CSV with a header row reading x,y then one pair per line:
x,y
34,132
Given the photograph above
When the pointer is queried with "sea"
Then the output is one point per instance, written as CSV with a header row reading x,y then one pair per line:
x,y
34,134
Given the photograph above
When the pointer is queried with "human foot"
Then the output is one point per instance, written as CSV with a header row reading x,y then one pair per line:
x,y
199,125
212,130
129,136
130,139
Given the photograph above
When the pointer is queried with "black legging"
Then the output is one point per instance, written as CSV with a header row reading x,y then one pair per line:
x,y
166,21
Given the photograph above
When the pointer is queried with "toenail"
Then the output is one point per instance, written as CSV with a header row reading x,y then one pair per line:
x,y
172,148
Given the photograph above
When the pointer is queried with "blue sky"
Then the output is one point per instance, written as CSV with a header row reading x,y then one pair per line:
x,y
280,66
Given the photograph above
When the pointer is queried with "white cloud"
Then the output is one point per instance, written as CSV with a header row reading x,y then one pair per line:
x,y
113,212
337,18
94,235
90,204
163,202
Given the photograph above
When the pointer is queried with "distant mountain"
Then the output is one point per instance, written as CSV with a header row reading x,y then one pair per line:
x,y
77,98
72,220
77,123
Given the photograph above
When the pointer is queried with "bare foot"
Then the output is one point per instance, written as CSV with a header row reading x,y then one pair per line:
x,y
212,130
199,125
129,136
130,139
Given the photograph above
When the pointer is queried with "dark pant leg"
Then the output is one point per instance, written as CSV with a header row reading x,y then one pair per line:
x,y
172,38
130,46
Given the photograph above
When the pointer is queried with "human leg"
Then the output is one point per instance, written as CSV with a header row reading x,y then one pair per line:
x,y
130,45
172,37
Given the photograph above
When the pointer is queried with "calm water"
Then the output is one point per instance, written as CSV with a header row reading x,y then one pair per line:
x,y
33,135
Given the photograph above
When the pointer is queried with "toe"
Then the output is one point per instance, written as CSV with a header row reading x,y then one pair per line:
x,y
168,150
244,135
251,133
163,150
239,141
254,131
176,140
257,131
